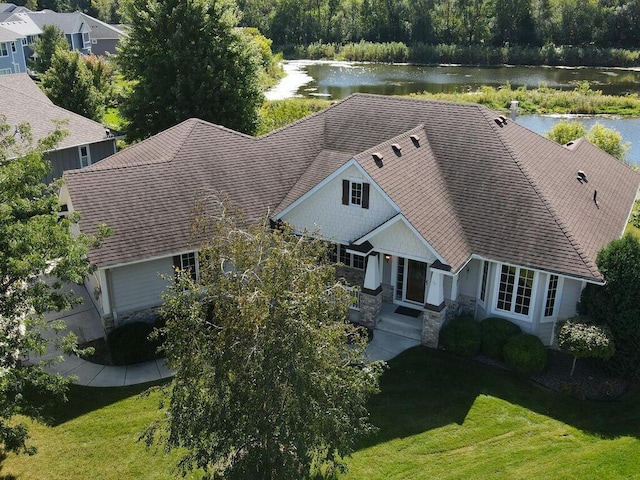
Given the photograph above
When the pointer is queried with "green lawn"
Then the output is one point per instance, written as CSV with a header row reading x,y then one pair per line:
x,y
440,416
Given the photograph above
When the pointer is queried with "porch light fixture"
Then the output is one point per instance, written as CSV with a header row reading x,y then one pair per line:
x,y
387,258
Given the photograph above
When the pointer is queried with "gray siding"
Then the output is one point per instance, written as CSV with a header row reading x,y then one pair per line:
x,y
468,279
104,46
571,291
139,286
69,158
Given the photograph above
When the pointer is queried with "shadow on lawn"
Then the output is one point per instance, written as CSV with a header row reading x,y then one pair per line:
x,y
82,400
424,389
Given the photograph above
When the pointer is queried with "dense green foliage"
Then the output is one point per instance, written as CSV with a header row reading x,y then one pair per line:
x,y
461,335
579,337
525,354
616,304
187,59
267,384
604,23
70,84
494,333
278,113
34,243
48,42
608,139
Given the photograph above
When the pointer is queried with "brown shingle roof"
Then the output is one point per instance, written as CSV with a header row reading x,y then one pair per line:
x,y
23,102
472,187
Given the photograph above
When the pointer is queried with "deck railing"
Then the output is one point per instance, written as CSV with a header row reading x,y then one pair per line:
x,y
354,293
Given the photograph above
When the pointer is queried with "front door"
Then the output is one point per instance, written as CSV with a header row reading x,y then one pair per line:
x,y
416,279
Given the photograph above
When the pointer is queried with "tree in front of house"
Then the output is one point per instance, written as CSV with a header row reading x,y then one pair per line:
x,y
48,42
267,385
579,337
35,244
607,139
616,304
188,59
70,84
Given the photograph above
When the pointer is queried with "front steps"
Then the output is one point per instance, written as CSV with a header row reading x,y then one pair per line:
x,y
402,325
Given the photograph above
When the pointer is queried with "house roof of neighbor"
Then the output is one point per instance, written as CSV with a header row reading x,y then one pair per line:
x,y
468,181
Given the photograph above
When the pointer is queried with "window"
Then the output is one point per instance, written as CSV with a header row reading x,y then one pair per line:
x,y
483,285
349,259
85,156
13,47
552,291
5,71
187,263
4,51
24,41
355,192
400,279
515,297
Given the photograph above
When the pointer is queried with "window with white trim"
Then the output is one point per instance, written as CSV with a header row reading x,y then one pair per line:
x,y
515,290
552,292
5,71
14,49
355,193
24,41
85,156
187,263
4,50
348,259
483,285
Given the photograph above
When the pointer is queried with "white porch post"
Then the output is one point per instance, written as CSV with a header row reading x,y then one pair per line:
x,y
373,275
454,287
435,297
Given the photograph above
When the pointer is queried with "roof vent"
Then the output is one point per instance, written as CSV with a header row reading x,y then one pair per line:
x,y
504,119
595,198
582,177
568,144
397,149
498,121
415,139
377,157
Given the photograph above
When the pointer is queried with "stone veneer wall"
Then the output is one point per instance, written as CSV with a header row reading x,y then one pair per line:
x,y
370,306
432,322
147,315
465,303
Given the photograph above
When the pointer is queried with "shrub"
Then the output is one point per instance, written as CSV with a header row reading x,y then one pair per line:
x,y
494,333
461,335
582,339
525,354
130,344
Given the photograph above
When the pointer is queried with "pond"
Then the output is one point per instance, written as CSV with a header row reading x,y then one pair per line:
x,y
336,80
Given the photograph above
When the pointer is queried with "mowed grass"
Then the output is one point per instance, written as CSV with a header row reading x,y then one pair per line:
x,y
440,416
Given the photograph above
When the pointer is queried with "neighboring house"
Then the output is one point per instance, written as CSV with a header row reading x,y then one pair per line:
x,y
22,24
104,37
11,53
73,25
87,141
440,207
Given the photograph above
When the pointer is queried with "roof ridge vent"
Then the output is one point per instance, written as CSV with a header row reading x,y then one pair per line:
x,y
415,139
397,149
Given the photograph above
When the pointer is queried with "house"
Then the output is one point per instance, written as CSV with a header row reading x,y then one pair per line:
x,y
73,25
434,206
87,141
104,37
20,22
11,53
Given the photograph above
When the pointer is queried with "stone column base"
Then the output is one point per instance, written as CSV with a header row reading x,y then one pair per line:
x,y
432,322
370,306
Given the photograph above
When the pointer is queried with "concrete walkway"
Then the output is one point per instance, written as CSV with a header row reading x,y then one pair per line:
x,y
84,321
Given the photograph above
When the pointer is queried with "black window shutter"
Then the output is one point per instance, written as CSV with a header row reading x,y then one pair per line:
x,y
345,192
365,195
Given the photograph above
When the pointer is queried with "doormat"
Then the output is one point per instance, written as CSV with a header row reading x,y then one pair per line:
x,y
409,312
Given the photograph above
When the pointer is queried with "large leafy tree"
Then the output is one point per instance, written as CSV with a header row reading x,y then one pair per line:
x,y
188,59
48,42
266,384
35,245
70,84
607,139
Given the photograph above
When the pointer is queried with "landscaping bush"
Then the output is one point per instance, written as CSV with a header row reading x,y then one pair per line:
x,y
494,333
525,354
130,344
461,335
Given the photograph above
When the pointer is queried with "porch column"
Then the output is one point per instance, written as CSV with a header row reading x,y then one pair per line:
x,y
435,311
371,295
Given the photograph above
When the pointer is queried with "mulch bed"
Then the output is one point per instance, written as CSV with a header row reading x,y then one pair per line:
x,y
587,382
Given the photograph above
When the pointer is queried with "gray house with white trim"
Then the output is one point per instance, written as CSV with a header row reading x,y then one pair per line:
x,y
437,207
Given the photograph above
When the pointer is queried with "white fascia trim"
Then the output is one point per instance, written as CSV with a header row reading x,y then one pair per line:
x,y
149,259
474,256
392,221
336,173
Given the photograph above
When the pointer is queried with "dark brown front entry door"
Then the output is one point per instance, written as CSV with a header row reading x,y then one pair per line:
x,y
416,278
